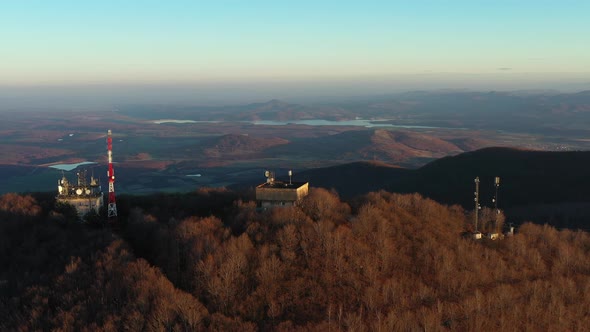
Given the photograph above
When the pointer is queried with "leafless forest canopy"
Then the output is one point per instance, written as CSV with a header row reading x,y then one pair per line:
x,y
210,261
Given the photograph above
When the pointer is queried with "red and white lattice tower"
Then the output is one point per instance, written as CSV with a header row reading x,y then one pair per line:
x,y
112,208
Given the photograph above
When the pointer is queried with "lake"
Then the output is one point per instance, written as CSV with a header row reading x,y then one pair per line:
x,y
314,122
69,167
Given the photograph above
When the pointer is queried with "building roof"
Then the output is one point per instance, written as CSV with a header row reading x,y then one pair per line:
x,y
281,185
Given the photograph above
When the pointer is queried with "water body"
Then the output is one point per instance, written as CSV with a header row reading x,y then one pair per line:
x,y
314,122
357,123
181,121
69,167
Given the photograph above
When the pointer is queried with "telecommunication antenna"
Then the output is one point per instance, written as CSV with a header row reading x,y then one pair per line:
x,y
290,176
477,207
81,178
270,177
112,208
495,199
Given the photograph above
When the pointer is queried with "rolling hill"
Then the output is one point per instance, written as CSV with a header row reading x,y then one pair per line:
x,y
398,147
237,145
530,181
538,177
354,178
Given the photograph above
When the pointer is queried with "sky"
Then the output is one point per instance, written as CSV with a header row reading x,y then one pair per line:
x,y
443,43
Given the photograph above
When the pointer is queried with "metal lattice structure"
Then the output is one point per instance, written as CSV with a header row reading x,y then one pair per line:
x,y
476,199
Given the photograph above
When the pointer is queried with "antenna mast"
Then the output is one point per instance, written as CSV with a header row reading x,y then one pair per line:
x,y
495,200
112,208
476,201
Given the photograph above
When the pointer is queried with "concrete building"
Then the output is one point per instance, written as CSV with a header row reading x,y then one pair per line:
x,y
280,193
84,196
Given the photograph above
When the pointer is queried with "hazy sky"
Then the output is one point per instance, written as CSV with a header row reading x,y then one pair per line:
x,y
120,42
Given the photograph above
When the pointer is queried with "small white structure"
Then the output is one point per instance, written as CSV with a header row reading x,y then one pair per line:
x,y
476,235
510,232
493,236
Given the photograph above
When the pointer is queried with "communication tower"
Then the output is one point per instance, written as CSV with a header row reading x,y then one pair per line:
x,y
495,199
112,207
476,199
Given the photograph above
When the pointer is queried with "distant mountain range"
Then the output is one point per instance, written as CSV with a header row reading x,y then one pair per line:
x,y
270,110
537,112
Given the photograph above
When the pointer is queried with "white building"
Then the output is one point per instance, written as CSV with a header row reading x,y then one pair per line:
x,y
84,196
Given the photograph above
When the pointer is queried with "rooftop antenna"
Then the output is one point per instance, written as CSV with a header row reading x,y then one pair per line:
x,y
63,185
81,178
290,176
270,177
93,182
477,207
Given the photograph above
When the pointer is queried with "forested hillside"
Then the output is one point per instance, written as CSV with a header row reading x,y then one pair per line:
x,y
383,262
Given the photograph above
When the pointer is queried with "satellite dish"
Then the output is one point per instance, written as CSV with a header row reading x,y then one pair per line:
x,y
290,173
266,173
87,191
78,191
